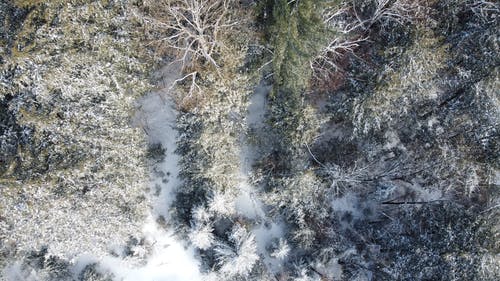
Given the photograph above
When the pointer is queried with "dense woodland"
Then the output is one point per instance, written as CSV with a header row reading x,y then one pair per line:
x,y
309,139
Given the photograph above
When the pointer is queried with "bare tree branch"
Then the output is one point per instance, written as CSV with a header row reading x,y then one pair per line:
x,y
190,29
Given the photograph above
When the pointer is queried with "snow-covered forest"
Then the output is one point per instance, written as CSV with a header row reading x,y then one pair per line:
x,y
193,140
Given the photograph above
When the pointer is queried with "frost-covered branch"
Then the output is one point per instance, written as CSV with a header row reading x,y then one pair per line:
x,y
400,11
359,16
202,236
327,61
190,29
238,260
486,10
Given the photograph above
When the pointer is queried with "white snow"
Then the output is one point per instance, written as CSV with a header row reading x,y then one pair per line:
x,y
282,251
168,261
257,107
254,120
392,140
332,269
247,203
264,234
238,261
202,236
222,203
157,117
162,257
348,203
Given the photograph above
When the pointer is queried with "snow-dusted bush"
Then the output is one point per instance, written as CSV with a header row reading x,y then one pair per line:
x,y
240,258
413,80
282,250
202,236
71,82
222,204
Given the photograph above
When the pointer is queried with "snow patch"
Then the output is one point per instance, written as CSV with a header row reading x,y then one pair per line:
x,y
168,261
349,203
265,233
393,140
157,118
247,203
257,107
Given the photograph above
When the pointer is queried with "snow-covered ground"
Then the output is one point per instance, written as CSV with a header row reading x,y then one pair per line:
x,y
168,258
162,257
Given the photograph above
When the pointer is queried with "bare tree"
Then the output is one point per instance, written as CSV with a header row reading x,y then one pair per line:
x,y
190,29
360,173
366,14
326,62
345,41
350,21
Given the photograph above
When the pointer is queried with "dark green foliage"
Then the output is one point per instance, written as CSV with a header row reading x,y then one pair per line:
x,y
156,152
296,32
90,273
36,259
57,269
193,191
